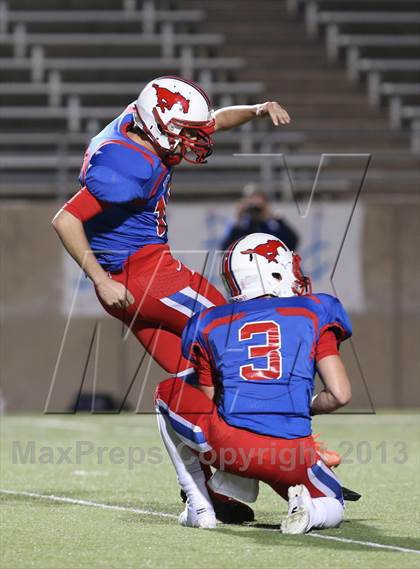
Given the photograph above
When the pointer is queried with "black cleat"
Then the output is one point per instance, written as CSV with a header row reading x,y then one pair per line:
x,y
228,510
232,511
351,495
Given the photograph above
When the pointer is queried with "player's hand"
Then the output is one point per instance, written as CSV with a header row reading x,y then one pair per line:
x,y
114,294
272,109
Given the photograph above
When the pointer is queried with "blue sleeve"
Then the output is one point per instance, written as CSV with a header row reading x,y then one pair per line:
x,y
335,317
191,336
118,175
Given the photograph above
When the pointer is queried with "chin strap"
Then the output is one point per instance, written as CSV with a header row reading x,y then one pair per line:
x,y
303,284
171,159
202,150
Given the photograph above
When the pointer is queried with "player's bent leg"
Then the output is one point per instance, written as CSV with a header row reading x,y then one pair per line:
x,y
298,519
327,513
165,290
322,482
204,520
161,342
189,410
158,325
293,468
192,415
165,348
306,513
316,503
166,295
205,290
199,511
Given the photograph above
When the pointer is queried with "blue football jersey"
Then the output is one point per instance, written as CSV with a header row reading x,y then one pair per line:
x,y
262,354
133,185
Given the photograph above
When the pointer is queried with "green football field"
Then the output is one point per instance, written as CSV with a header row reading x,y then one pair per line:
x,y
89,491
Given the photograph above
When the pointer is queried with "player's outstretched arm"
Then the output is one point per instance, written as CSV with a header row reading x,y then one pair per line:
x,y
230,117
72,234
337,388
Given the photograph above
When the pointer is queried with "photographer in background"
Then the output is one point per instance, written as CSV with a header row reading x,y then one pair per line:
x,y
254,215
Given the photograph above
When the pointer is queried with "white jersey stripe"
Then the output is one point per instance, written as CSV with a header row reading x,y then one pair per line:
x,y
176,306
188,291
188,371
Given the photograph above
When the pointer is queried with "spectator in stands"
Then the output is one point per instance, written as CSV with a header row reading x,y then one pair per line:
x,y
254,215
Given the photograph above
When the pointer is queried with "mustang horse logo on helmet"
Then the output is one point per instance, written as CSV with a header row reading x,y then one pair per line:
x,y
268,250
167,99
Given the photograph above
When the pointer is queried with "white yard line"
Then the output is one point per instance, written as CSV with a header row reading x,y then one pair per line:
x,y
65,500
366,543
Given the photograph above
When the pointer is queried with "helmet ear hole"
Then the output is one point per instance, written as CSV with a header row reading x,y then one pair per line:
x,y
276,276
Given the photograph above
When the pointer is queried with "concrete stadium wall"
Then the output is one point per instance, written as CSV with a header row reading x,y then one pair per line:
x,y
386,336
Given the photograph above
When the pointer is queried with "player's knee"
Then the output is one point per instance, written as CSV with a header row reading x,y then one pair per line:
x,y
329,513
164,390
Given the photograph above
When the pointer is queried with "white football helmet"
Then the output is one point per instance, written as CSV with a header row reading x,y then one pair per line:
x,y
169,105
261,264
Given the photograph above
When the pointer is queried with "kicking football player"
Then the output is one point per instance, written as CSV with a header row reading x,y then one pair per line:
x,y
250,414
115,226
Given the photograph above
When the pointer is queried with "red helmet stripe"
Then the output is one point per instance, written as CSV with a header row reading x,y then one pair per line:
x,y
227,270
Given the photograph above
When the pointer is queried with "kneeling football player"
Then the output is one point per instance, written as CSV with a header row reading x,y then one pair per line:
x,y
250,415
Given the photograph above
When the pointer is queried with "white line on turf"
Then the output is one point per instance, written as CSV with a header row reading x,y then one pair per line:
x,y
65,500
366,543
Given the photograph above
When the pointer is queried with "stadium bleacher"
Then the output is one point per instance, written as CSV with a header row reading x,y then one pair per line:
x,y
380,42
68,70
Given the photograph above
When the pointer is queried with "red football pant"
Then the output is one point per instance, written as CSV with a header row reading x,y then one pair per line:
x,y
278,462
166,295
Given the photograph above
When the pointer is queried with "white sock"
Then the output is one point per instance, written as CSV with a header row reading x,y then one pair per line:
x,y
187,465
326,513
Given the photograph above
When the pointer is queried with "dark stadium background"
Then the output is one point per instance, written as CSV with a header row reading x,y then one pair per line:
x,y
347,71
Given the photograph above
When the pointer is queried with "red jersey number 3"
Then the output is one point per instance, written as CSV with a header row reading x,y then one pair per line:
x,y
270,350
